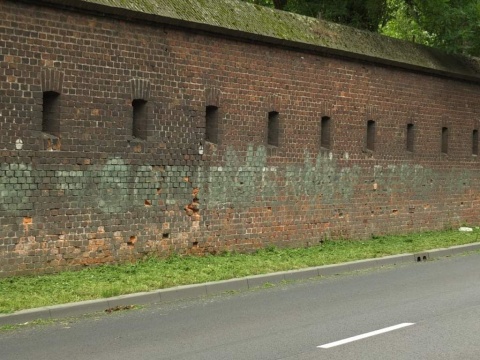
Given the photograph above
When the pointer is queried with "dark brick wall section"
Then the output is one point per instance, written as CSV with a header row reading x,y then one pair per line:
x,y
94,193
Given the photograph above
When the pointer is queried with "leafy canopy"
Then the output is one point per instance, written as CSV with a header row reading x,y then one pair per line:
x,y
451,25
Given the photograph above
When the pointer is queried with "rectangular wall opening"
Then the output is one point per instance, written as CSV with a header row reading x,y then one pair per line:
x,y
325,132
139,125
475,142
370,135
51,113
273,128
445,140
410,137
211,124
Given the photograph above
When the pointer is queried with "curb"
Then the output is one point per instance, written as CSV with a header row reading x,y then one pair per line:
x,y
210,288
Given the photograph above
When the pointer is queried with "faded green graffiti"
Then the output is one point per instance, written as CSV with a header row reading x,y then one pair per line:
x,y
16,187
113,189
239,181
242,181
320,177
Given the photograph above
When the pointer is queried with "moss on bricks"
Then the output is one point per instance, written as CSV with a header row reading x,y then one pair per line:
x,y
257,20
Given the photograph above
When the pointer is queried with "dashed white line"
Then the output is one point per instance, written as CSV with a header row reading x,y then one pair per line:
x,y
363,336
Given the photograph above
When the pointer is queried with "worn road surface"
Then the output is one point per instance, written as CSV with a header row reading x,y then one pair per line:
x,y
427,310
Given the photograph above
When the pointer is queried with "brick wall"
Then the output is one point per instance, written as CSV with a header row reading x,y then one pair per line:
x,y
82,182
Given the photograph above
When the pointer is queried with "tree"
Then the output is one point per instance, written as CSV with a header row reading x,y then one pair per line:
x,y
451,25
366,14
363,14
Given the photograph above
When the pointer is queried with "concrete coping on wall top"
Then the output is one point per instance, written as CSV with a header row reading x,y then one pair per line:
x,y
247,21
211,288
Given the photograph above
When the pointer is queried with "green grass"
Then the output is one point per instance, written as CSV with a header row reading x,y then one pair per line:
x,y
17,293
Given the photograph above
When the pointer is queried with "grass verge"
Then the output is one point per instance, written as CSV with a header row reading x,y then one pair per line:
x,y
17,293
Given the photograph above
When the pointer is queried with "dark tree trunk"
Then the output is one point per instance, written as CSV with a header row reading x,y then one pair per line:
x,y
279,4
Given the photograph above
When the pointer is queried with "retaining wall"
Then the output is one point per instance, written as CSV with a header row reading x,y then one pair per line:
x,y
105,157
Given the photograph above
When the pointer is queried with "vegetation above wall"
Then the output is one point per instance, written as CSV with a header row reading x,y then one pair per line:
x,y
239,18
450,25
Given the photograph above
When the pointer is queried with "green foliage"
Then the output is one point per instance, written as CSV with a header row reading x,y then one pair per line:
x,y
403,26
367,14
450,25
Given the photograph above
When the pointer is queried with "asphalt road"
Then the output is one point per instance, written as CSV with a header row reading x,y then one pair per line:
x,y
440,299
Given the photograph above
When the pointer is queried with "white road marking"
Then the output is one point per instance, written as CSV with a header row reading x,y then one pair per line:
x,y
363,336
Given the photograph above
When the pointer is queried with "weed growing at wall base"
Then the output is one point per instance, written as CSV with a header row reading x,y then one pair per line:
x,y
19,293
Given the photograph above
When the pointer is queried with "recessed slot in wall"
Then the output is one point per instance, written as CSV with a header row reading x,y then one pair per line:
x,y
51,113
139,124
325,132
370,135
410,137
445,140
211,124
475,142
273,128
